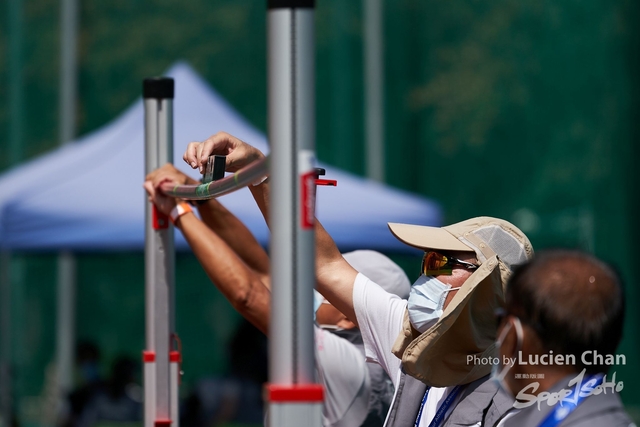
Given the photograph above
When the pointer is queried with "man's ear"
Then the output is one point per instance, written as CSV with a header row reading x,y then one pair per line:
x,y
531,342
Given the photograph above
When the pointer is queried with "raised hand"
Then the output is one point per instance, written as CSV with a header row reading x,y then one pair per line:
x,y
167,173
239,153
172,173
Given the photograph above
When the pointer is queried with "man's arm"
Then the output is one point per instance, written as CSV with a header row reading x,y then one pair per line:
x,y
236,281
235,234
242,286
335,277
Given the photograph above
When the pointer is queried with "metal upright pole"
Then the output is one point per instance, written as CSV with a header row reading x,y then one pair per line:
x,y
374,89
160,387
294,398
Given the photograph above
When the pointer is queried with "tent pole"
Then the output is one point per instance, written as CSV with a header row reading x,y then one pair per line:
x,y
16,93
65,321
374,89
66,262
160,367
291,109
68,70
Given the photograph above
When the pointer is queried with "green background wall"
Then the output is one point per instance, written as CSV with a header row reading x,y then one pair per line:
x,y
521,109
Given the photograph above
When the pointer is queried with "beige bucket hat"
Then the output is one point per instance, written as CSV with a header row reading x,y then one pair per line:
x,y
439,356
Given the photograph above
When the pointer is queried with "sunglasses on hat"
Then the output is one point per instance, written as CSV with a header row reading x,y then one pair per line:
x,y
435,264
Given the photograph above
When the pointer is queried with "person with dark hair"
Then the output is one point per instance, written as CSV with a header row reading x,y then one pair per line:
x,y
559,332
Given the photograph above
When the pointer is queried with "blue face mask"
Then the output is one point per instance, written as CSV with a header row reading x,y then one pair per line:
x,y
317,300
426,302
498,371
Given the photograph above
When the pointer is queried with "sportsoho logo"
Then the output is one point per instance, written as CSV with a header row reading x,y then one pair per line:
x,y
577,388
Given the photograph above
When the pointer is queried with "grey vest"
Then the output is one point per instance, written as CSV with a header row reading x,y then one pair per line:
x,y
480,401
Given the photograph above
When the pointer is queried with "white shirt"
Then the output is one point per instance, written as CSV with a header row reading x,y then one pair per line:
x,y
380,316
343,372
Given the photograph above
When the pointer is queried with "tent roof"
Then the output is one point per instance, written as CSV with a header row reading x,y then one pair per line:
x,y
88,195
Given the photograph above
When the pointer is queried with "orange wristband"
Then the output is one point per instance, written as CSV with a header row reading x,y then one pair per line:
x,y
180,209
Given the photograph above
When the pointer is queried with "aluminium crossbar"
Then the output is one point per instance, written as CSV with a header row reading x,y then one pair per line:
x,y
245,176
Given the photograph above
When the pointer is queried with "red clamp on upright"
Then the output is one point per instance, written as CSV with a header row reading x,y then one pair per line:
x,y
162,423
148,356
330,182
309,393
175,357
159,221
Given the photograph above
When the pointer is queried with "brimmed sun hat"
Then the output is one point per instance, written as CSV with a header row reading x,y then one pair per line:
x,y
439,356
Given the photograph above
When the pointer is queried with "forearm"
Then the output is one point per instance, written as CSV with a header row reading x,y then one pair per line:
x,y
261,194
235,234
233,278
334,275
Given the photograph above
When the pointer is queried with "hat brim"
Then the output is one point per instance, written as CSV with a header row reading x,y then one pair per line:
x,y
423,237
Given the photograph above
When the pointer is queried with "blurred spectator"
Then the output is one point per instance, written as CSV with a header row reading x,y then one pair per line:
x,y
89,381
236,398
119,400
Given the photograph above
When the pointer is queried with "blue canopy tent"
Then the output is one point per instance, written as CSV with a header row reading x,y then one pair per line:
x,y
88,195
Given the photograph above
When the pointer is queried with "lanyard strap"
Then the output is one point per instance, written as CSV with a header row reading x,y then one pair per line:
x,y
567,405
424,399
442,410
